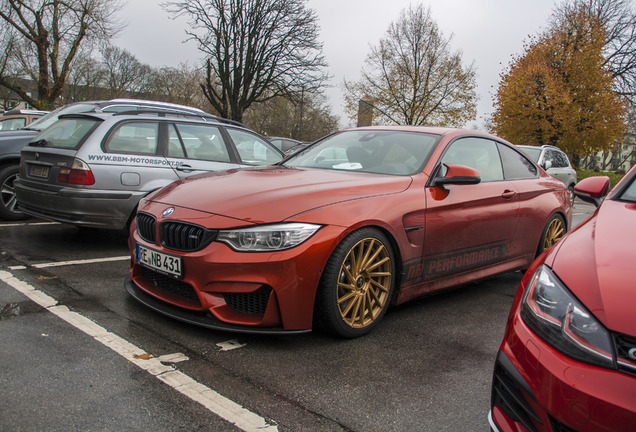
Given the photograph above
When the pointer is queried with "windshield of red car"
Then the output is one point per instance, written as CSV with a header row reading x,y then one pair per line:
x,y
629,192
375,151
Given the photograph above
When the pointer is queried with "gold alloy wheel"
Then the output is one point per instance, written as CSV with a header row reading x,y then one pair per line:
x,y
364,283
553,233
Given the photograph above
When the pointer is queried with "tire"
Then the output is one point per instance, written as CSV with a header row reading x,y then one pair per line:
x,y
357,284
571,192
8,203
553,231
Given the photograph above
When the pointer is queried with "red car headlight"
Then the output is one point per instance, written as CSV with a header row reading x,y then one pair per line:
x,y
556,316
267,238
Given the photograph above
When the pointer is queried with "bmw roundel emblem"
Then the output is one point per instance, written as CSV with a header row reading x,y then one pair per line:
x,y
167,212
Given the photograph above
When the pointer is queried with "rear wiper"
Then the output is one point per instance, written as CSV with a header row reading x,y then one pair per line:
x,y
40,143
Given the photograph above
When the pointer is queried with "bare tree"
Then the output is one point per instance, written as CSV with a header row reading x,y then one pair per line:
x,y
85,80
40,39
256,49
413,77
126,76
178,85
305,120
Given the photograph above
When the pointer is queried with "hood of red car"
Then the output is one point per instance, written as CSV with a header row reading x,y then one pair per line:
x,y
273,194
597,262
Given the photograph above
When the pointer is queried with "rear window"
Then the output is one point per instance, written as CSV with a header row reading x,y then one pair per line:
x,y
67,133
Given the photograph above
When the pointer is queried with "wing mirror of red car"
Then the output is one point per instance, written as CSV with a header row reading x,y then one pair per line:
x,y
593,189
458,174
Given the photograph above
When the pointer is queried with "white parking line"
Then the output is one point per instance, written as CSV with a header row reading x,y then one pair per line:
x,y
28,224
86,261
213,401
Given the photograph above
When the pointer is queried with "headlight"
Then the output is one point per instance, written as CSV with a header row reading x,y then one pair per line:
x,y
267,238
553,313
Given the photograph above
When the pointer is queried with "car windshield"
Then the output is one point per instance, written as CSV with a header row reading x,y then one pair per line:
x,y
47,120
533,152
629,193
373,151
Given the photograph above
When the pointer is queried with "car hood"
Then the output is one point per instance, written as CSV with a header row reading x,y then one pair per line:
x,y
273,194
597,263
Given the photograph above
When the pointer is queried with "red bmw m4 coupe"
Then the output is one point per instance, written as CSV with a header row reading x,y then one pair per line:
x,y
336,233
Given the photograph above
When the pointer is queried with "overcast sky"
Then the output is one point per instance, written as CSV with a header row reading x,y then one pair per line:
x,y
488,32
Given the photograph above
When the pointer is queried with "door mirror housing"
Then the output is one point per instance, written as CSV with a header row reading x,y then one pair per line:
x,y
458,174
593,189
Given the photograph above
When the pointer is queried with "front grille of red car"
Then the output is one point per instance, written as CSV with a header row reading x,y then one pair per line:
x,y
624,345
509,394
147,227
170,285
253,303
182,236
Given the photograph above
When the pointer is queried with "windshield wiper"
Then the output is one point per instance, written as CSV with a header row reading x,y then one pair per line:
x,y
40,143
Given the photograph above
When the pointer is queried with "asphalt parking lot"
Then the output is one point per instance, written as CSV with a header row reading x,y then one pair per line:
x,y
77,354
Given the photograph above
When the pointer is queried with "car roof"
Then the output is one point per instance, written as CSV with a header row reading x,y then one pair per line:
x,y
433,130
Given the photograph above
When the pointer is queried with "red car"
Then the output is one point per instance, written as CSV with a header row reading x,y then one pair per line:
x,y
568,358
359,220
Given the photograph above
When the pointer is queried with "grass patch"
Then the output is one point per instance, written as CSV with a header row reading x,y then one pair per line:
x,y
614,178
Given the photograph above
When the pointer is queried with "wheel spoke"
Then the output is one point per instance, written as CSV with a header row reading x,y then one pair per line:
x,y
365,282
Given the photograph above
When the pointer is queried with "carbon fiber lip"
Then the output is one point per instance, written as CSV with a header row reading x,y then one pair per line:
x,y
200,319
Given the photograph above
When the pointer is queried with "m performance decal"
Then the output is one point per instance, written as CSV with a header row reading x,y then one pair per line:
x,y
454,261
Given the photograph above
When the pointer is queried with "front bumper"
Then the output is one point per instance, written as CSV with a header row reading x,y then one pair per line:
x,y
200,319
536,388
264,292
80,207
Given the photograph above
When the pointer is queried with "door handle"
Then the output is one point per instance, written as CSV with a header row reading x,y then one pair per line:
x,y
507,194
184,167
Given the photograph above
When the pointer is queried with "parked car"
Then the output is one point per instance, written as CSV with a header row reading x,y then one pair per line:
x,y
91,169
12,142
19,118
361,219
568,358
555,162
283,144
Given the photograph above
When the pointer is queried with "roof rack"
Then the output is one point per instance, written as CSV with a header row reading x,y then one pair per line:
x,y
162,112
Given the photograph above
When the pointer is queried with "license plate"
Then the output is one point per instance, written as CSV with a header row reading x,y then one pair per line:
x,y
164,263
39,171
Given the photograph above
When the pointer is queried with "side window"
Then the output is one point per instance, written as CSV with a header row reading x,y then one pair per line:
x,y
548,157
12,124
252,149
200,142
560,160
133,137
516,165
175,146
478,153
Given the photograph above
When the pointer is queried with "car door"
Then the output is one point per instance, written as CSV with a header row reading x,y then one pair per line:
x,y
469,225
197,148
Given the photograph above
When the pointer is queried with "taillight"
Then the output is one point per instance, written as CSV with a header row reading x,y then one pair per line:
x,y
79,173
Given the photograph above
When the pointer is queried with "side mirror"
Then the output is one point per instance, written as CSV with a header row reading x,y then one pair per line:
x,y
592,189
547,165
458,174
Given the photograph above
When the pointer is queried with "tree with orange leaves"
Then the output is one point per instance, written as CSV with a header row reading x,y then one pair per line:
x,y
560,93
